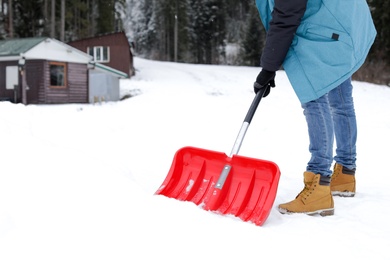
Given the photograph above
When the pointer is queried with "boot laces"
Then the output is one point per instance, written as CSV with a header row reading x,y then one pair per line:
x,y
336,172
308,189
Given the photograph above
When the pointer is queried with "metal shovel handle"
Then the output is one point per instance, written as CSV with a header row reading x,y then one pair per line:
x,y
247,121
240,137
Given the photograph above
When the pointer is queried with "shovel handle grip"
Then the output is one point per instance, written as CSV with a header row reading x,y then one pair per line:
x,y
247,121
254,105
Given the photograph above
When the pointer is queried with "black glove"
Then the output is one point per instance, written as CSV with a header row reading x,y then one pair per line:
x,y
264,79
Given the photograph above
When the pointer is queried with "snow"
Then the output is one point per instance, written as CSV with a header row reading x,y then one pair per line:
x,y
77,181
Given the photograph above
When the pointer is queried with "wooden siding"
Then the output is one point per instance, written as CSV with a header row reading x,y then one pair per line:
x,y
78,83
76,90
121,57
34,79
38,82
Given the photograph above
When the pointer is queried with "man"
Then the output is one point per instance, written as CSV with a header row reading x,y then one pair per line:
x,y
320,45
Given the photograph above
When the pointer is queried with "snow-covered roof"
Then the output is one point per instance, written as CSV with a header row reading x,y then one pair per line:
x,y
13,47
103,68
44,48
41,48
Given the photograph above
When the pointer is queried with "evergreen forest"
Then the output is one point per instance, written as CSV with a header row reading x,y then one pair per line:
x,y
188,31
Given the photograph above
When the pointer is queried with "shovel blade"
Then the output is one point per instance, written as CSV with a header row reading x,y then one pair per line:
x,y
248,192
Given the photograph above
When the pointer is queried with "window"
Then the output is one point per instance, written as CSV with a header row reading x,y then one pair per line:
x,y
99,53
58,75
11,76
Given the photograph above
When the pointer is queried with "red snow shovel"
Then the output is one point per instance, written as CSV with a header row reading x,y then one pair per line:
x,y
229,185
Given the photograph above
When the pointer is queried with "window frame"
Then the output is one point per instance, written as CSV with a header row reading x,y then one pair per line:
x,y
56,63
93,51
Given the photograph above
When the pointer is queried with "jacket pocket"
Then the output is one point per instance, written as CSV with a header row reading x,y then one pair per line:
x,y
324,47
324,55
321,33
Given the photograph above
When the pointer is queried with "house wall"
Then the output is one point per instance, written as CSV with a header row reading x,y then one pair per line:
x,y
38,83
76,90
105,87
35,80
121,57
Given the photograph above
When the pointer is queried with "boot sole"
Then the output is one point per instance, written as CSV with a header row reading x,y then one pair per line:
x,y
321,212
347,194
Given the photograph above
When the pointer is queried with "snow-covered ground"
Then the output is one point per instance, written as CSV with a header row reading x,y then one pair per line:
x,y
78,181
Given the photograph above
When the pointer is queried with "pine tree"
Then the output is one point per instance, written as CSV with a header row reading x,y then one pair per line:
x,y
254,39
28,17
80,17
207,30
380,13
171,30
376,68
106,18
10,16
142,26
2,19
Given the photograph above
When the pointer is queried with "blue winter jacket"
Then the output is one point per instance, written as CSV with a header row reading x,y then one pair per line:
x,y
331,41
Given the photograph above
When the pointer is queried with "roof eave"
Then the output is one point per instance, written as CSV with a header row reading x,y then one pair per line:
x,y
10,58
110,70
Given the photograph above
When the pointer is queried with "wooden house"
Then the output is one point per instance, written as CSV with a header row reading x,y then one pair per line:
x,y
47,71
112,50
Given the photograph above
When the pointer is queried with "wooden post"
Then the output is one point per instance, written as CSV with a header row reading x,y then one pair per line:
x,y
24,87
22,68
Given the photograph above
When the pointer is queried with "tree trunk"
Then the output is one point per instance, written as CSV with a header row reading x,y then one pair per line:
x,y
10,20
46,15
176,33
62,37
53,19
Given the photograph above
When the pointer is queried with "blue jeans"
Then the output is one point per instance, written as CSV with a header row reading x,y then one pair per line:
x,y
328,117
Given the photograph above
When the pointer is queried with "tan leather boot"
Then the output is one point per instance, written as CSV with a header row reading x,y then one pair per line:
x,y
315,198
343,181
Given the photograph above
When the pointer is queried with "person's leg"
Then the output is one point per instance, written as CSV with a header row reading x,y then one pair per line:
x,y
316,197
344,121
321,135
343,181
